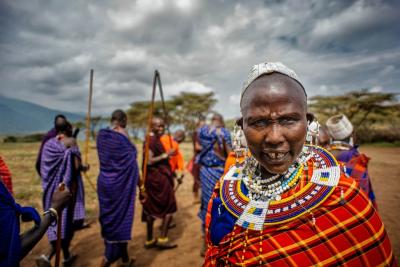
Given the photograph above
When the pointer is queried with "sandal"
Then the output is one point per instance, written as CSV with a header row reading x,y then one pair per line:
x,y
43,261
68,262
130,263
150,244
164,243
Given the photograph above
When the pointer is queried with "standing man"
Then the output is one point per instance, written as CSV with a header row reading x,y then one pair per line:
x,y
159,187
343,148
58,120
61,162
116,188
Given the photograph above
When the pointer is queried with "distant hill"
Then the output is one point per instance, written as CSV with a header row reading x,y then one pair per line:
x,y
22,117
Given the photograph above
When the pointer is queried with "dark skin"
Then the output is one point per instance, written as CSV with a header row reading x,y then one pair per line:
x,y
323,138
158,129
31,237
274,122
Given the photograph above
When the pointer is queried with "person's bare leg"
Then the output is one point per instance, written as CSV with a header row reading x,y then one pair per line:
x,y
51,251
150,223
105,263
163,241
150,241
124,254
164,226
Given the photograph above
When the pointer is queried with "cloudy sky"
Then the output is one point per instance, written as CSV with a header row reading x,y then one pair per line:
x,y
48,47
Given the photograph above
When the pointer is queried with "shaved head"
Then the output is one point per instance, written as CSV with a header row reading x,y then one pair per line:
x,y
274,83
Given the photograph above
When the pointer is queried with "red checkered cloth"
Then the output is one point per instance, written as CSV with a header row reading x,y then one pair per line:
x,y
346,233
5,174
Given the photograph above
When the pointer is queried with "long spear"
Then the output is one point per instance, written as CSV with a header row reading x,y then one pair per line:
x,y
87,139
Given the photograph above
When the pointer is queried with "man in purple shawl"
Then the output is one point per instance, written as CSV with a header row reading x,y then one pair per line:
x,y
116,186
58,120
61,162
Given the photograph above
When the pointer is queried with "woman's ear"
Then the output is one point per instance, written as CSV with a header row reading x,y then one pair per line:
x,y
240,122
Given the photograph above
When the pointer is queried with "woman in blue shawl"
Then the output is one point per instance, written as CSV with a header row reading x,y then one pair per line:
x,y
216,142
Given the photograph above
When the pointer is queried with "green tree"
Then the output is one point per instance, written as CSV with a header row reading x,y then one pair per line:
x,y
368,111
183,109
190,106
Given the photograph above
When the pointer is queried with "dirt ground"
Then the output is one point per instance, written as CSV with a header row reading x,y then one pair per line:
x,y
88,245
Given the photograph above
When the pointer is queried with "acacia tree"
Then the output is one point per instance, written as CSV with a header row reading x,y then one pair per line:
x,y
372,113
183,109
190,106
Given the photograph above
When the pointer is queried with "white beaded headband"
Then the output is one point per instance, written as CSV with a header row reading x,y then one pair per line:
x,y
266,68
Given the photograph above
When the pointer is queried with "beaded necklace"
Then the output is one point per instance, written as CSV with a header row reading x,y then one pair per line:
x,y
271,188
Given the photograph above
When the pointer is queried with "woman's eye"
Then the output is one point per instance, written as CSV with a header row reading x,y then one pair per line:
x,y
259,123
287,121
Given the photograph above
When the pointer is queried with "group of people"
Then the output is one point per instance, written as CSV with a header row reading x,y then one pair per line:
x,y
281,190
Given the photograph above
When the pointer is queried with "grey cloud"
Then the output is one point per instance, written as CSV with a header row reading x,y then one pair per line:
x,y
48,47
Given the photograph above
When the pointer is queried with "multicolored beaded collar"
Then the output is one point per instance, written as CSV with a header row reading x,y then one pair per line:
x,y
255,214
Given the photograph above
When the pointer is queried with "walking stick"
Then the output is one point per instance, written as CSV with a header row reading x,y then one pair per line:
x,y
87,138
61,187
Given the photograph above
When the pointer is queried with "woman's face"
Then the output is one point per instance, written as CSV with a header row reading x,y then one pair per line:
x,y
274,121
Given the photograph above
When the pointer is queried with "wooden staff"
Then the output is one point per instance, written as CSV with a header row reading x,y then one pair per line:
x,y
149,119
61,187
87,139
166,119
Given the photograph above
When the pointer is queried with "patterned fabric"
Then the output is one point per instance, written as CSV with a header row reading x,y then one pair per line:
x,y
212,166
5,174
56,167
114,251
357,168
50,134
346,231
116,184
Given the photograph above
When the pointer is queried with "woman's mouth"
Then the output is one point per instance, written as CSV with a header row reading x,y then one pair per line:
x,y
276,157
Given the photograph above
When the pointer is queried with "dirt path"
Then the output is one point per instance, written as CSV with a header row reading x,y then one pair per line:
x,y
384,170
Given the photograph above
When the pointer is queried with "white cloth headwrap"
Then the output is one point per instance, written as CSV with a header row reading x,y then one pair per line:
x,y
266,68
339,127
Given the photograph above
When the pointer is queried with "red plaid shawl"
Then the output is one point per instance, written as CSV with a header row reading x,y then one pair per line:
x,y
345,234
6,175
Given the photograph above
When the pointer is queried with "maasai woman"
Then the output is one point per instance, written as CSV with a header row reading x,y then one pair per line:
x,y
290,204
216,144
342,147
